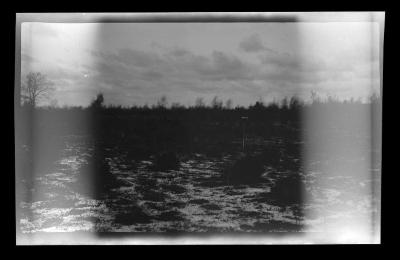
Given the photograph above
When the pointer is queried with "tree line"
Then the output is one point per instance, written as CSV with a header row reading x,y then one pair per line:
x,y
37,87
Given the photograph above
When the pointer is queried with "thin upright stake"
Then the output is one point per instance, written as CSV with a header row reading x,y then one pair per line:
x,y
243,136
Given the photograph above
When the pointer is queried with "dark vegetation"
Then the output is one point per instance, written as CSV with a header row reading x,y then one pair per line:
x,y
166,161
246,170
165,136
287,191
94,177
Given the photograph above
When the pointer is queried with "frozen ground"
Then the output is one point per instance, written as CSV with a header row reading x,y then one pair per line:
x,y
195,198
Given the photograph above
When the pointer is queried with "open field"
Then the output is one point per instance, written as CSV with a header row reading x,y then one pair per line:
x,y
136,173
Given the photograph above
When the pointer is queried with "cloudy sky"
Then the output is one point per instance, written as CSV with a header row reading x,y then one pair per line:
x,y
137,63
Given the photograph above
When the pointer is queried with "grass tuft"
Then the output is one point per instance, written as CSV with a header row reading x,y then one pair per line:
x,y
246,170
165,161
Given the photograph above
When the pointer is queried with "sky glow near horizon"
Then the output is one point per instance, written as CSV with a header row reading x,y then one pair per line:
x,y
137,63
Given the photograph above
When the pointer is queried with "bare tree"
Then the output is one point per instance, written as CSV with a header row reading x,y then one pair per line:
x,y
228,104
199,102
176,105
216,103
294,103
36,88
97,102
285,103
162,102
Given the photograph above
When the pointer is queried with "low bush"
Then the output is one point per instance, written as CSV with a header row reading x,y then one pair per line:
x,y
94,178
288,191
248,169
165,161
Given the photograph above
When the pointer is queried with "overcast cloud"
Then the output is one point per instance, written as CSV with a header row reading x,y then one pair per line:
x,y
138,63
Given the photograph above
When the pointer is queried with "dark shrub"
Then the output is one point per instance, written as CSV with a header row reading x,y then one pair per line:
x,y
166,161
246,170
153,196
138,153
145,182
271,156
276,225
132,215
211,206
198,201
287,191
94,178
174,188
170,215
293,149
